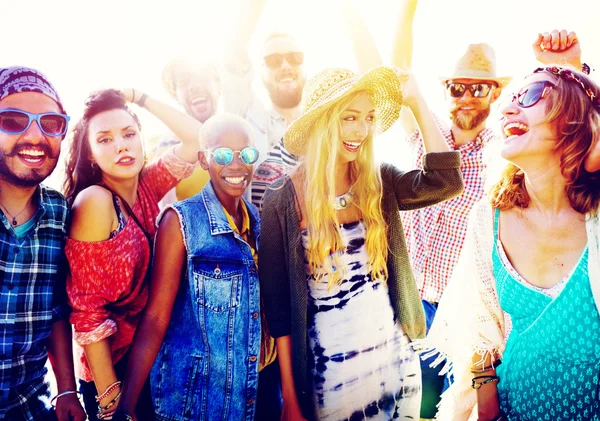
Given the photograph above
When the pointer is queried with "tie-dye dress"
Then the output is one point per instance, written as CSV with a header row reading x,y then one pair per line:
x,y
364,366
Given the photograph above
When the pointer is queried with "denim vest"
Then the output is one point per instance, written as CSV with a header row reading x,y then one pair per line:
x,y
207,367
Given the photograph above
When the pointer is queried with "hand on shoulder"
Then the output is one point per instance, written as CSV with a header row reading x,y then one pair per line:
x,y
93,215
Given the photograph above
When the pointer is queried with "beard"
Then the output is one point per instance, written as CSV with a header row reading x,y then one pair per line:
x,y
466,121
30,177
284,98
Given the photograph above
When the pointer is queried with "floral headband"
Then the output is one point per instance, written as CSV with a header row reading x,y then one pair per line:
x,y
567,74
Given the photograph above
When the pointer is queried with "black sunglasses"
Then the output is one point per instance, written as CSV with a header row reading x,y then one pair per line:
x,y
478,90
529,95
18,121
275,61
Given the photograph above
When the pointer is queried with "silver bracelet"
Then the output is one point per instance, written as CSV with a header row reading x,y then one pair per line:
x,y
68,392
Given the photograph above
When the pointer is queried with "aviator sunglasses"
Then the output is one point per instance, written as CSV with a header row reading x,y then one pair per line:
x,y
478,90
224,156
17,122
274,61
531,94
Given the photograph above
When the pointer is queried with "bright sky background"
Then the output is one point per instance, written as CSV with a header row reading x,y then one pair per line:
x,y
84,45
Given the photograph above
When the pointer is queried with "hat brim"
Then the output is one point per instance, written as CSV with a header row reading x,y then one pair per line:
x,y
385,88
502,82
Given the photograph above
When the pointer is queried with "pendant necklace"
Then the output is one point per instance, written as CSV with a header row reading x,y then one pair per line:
x,y
343,201
14,217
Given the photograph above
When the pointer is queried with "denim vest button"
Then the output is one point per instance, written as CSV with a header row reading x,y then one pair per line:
x,y
255,315
250,401
253,359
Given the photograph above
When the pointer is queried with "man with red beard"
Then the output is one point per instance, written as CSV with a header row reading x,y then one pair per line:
x,y
33,307
435,235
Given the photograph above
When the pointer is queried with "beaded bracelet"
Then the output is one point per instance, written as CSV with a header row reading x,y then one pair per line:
x,y
489,379
110,404
68,392
105,415
108,390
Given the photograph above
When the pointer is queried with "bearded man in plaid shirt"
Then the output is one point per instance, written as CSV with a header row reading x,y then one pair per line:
x,y
33,308
435,235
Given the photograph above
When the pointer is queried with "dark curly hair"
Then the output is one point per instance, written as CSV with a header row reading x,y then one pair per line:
x,y
80,173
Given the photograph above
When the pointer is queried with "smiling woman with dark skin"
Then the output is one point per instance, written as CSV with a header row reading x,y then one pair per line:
x,y
204,300
114,197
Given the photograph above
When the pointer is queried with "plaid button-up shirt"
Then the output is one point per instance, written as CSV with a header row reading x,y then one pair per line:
x,y
435,235
32,298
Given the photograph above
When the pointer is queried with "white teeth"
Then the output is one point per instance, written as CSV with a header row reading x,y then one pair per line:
x,y
515,129
199,99
287,79
353,145
32,152
235,180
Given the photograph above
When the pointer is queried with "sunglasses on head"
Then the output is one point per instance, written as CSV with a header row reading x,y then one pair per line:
x,y
275,61
478,90
224,156
17,122
529,95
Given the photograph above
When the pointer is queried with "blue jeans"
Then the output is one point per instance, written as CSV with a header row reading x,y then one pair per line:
x,y
433,383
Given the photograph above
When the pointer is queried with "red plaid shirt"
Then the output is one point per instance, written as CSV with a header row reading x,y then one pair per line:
x,y
435,235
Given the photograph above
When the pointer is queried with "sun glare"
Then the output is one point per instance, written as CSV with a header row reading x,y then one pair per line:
x,y
126,43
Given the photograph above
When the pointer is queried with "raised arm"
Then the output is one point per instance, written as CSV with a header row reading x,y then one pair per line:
x,y
402,50
558,47
402,53
363,43
183,126
433,138
237,59
151,330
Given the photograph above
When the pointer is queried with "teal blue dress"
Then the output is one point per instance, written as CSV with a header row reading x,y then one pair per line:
x,y
551,366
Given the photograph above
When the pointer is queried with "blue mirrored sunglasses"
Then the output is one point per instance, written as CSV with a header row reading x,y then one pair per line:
x,y
224,156
17,121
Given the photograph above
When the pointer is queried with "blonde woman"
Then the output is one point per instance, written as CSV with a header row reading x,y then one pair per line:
x,y
338,290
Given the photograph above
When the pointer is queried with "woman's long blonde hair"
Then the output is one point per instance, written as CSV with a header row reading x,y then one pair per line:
x,y
318,175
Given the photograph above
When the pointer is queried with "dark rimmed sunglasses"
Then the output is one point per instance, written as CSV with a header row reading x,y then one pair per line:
x,y
478,90
18,121
274,61
224,156
529,95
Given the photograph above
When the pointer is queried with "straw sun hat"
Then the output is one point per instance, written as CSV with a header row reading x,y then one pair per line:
x,y
478,62
331,85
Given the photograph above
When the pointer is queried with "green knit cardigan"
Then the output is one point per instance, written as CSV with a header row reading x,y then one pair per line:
x,y
282,273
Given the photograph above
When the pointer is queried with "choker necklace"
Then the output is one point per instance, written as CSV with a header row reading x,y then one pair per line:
x,y
14,218
343,201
